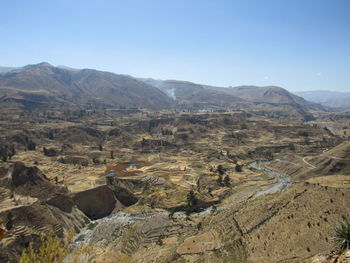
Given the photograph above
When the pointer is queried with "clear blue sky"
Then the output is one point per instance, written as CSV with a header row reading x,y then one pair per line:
x,y
296,44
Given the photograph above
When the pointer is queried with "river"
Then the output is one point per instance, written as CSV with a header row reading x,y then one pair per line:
x,y
121,218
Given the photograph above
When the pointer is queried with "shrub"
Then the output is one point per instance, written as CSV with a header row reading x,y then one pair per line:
x,y
53,249
227,181
239,168
342,235
191,198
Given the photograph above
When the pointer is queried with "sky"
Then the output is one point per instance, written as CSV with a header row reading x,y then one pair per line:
x,y
296,44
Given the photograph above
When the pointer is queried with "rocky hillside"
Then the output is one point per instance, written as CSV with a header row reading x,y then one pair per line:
x,y
43,84
334,161
32,205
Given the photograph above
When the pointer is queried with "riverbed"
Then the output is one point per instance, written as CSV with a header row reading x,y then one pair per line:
x,y
105,225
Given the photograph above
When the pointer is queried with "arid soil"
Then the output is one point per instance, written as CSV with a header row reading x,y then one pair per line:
x,y
173,186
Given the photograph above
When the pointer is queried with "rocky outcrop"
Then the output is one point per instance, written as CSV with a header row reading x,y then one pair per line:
x,y
124,196
24,140
31,181
22,175
6,151
26,218
97,202
63,202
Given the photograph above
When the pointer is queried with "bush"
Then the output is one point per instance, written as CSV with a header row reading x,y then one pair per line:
x,y
53,249
191,198
342,235
239,168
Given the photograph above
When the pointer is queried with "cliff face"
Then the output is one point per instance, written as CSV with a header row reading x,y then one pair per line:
x,y
97,202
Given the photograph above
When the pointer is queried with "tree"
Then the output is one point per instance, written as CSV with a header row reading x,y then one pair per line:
x,y
227,181
238,168
221,169
219,180
191,198
112,154
31,146
291,146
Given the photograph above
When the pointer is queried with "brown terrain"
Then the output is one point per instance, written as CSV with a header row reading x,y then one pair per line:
x,y
181,184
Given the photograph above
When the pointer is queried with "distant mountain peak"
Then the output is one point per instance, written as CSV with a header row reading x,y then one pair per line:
x,y
39,65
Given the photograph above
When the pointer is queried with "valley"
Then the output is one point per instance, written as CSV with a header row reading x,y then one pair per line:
x,y
144,170
174,186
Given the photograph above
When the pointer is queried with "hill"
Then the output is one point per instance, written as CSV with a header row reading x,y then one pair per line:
x,y
190,94
43,84
267,101
269,94
333,162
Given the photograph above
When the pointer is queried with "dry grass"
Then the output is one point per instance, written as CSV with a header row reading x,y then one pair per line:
x,y
53,249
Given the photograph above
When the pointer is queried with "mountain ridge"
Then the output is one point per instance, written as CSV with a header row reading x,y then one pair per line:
x,y
43,84
82,87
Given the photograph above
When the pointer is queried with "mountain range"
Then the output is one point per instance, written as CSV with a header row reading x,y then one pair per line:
x,y
268,101
327,98
43,85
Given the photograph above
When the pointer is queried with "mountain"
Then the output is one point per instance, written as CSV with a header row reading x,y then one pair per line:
x,y
269,94
268,101
196,95
43,84
327,98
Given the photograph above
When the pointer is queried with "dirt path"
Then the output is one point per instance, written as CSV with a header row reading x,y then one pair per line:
x,y
309,164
